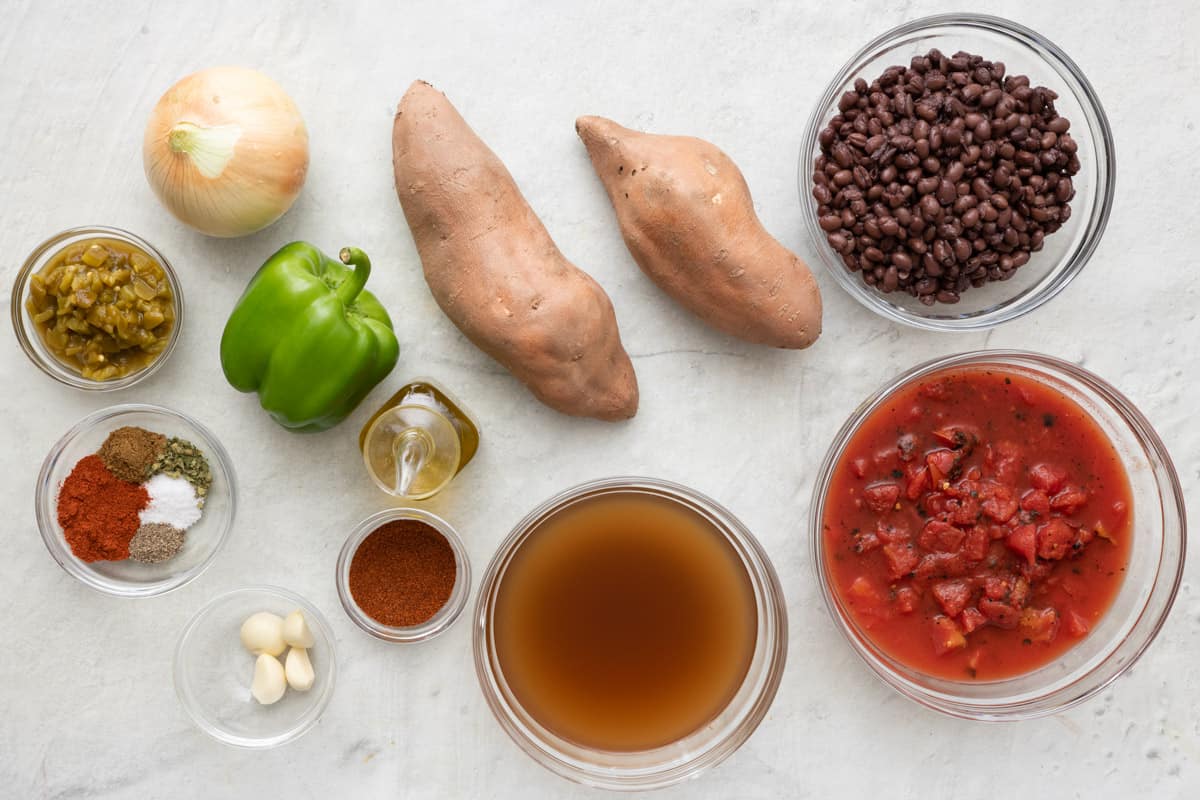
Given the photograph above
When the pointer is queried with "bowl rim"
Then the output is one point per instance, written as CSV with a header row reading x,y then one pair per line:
x,y
1062,273
1167,581
313,616
773,627
36,350
45,499
446,616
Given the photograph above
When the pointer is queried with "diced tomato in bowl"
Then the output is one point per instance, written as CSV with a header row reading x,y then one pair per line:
x,y
977,511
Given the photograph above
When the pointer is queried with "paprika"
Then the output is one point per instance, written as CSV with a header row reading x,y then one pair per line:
x,y
402,573
98,511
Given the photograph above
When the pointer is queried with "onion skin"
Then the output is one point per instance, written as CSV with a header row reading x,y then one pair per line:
x,y
254,149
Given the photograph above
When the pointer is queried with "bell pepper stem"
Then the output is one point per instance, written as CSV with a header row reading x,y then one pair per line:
x,y
356,280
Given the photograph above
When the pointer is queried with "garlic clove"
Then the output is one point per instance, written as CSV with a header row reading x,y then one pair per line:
x,y
296,632
269,681
298,669
263,633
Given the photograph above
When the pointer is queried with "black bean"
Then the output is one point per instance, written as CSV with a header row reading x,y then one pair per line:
x,y
943,175
862,178
946,192
1065,191
830,222
929,207
890,279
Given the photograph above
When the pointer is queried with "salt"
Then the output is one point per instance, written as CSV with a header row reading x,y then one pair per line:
x,y
172,502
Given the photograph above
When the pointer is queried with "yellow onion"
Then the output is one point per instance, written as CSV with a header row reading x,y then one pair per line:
x,y
226,151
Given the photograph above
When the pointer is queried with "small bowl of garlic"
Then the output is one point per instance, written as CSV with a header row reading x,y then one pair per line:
x,y
255,667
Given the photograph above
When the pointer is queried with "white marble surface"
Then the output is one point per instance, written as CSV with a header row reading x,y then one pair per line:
x,y
86,703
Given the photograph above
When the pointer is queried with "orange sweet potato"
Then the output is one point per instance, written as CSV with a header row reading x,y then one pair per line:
x,y
495,271
687,217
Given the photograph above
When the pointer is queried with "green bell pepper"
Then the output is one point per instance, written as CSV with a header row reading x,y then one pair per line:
x,y
308,338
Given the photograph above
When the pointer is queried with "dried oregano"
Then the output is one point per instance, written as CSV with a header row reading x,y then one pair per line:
x,y
182,459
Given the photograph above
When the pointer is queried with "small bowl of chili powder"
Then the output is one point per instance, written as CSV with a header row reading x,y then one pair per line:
x,y
998,534
89,515
403,575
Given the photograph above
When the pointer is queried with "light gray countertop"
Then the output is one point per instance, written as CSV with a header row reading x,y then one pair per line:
x,y
87,707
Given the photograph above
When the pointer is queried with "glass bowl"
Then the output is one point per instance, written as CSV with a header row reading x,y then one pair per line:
x,y
130,578
31,340
1065,252
444,617
686,758
213,671
1137,613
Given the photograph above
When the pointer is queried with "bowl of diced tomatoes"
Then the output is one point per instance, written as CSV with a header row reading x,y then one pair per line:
x,y
998,534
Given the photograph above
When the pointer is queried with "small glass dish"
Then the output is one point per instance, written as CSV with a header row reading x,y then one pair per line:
x,y
1024,52
213,671
1152,577
130,578
444,617
26,329
696,752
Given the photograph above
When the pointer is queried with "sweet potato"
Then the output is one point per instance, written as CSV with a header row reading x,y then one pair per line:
x,y
495,271
687,217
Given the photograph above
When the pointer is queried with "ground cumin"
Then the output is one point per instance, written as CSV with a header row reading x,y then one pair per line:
x,y
128,452
402,573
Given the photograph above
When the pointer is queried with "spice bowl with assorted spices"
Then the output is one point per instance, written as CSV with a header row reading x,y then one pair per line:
x,y
403,575
957,173
136,500
255,667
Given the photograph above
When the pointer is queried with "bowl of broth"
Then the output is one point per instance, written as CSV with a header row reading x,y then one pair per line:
x,y
629,633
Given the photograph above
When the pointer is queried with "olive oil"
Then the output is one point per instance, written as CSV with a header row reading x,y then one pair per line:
x,y
625,622
417,441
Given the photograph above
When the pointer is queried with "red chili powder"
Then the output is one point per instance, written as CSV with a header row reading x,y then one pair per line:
x,y
402,573
99,512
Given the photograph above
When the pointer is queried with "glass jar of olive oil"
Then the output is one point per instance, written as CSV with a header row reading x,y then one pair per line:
x,y
418,441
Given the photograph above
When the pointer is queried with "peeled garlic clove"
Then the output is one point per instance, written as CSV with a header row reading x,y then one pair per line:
x,y
296,632
269,682
299,670
263,633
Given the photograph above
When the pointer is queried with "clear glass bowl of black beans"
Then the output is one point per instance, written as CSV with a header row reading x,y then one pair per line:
x,y
957,173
